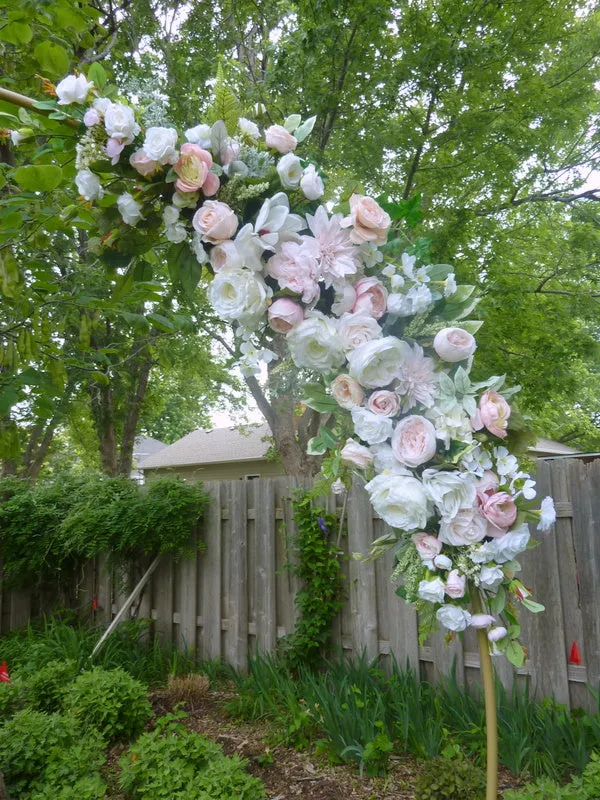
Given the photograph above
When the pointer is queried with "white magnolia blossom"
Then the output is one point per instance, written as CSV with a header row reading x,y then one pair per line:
x,y
130,209
73,89
89,185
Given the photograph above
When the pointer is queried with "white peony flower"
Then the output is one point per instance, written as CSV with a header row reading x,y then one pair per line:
x,y
311,183
290,171
450,491
453,618
119,121
199,135
371,428
356,329
314,344
547,514
238,295
432,591
468,526
504,548
130,209
89,185
374,364
400,500
160,145
73,89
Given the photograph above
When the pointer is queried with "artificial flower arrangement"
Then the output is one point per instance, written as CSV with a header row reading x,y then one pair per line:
x,y
385,340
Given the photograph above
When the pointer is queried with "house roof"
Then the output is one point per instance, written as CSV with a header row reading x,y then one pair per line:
x,y
213,447
145,446
548,447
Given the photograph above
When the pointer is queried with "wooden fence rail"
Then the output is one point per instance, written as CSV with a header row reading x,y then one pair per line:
x,y
238,598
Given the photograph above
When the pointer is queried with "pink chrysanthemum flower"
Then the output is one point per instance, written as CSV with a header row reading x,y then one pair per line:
x,y
417,381
337,255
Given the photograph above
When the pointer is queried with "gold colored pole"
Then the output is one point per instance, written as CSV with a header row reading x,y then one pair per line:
x,y
491,713
26,102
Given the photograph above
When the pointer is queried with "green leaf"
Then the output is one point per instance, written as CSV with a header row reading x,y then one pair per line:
x,y
97,74
161,323
292,122
471,326
515,654
38,178
316,447
533,606
316,397
226,106
52,58
439,272
16,33
184,268
305,129
498,601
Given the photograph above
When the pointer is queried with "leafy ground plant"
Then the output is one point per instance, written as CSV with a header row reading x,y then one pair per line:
x,y
450,779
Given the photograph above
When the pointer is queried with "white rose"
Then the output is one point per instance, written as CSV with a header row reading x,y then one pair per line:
x,y
199,135
289,170
400,500
432,591
490,578
511,544
374,364
414,441
314,344
130,210
73,89
357,454
248,128
467,527
160,145
176,233
453,618
356,329
88,185
239,295
311,183
454,344
450,491
370,427
225,255
119,121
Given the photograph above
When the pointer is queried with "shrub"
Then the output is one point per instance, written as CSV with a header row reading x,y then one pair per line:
x,y
46,687
450,779
172,762
40,752
111,701
12,697
582,787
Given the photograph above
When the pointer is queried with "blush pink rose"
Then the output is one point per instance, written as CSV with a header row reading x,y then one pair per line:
x,y
225,255
493,413
456,584
486,486
371,298
284,315
384,403
500,511
356,454
454,344
142,164
114,148
370,222
428,547
215,221
413,441
347,392
193,169
279,139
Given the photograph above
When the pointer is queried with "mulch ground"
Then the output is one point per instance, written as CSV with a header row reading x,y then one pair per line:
x,y
286,773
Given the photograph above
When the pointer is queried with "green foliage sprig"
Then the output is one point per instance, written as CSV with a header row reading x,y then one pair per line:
x,y
320,597
50,528
450,779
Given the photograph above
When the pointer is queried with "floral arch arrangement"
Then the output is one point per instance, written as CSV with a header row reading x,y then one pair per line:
x,y
386,342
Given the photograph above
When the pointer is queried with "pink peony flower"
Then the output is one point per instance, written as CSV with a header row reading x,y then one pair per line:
x,y
347,392
193,168
215,221
370,222
383,402
295,268
336,254
413,441
284,314
371,298
500,511
279,139
494,412
454,344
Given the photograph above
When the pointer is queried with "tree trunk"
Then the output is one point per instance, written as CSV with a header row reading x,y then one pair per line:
x,y
103,413
132,415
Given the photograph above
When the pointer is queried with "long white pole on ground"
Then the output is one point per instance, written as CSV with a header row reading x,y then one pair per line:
x,y
127,605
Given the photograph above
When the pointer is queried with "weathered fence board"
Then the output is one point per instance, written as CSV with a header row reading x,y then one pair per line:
x,y
237,597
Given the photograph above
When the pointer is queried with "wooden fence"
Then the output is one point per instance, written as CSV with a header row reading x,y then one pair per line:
x,y
237,597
